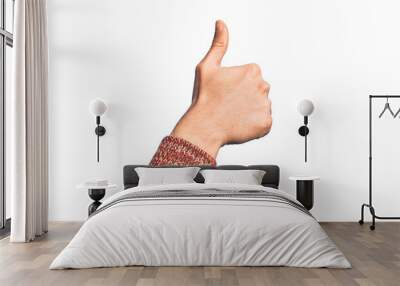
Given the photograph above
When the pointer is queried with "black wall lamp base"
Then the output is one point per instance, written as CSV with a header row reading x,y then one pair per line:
x,y
100,130
303,130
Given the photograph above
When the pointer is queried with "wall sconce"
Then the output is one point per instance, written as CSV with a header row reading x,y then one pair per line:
x,y
305,108
97,107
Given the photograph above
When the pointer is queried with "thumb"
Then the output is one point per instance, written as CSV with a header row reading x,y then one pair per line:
x,y
219,45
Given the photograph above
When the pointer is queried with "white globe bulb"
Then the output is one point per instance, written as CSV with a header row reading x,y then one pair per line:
x,y
97,107
305,107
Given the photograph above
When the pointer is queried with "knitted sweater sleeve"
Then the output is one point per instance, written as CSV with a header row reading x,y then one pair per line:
x,y
175,151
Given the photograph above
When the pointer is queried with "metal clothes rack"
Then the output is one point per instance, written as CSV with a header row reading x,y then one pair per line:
x,y
370,205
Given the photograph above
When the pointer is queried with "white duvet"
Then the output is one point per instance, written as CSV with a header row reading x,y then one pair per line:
x,y
200,231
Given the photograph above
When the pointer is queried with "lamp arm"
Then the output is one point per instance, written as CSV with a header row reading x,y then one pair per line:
x,y
98,138
98,146
305,148
305,139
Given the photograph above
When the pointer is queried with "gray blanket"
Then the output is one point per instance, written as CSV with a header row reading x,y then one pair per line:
x,y
201,224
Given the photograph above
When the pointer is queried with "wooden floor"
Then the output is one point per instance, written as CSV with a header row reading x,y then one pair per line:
x,y
375,257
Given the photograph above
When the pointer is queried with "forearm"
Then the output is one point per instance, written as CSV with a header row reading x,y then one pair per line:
x,y
174,151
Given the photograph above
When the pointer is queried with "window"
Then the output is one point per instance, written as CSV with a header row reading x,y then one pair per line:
x,y
6,44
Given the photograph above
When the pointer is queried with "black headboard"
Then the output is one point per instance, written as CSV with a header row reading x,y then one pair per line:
x,y
270,179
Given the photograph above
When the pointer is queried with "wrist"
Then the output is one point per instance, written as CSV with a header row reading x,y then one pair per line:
x,y
198,130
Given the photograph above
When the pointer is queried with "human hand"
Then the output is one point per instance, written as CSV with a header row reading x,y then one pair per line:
x,y
230,105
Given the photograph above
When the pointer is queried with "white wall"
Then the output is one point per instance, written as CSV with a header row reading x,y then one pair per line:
x,y
140,55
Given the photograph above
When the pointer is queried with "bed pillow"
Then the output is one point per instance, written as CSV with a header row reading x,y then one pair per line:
x,y
248,177
166,176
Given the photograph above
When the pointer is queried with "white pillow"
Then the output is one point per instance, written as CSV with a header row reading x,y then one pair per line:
x,y
165,176
248,177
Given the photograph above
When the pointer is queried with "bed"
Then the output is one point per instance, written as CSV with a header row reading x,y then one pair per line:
x,y
198,224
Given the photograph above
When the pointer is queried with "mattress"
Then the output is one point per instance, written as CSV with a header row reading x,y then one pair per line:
x,y
201,225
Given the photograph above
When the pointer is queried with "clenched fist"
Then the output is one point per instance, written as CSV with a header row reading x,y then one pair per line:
x,y
229,105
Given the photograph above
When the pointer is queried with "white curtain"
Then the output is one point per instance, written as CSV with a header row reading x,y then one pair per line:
x,y
28,161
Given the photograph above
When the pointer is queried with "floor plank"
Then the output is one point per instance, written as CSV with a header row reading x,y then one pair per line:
x,y
375,257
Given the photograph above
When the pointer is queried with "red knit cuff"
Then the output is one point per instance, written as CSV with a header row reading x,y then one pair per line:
x,y
174,151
